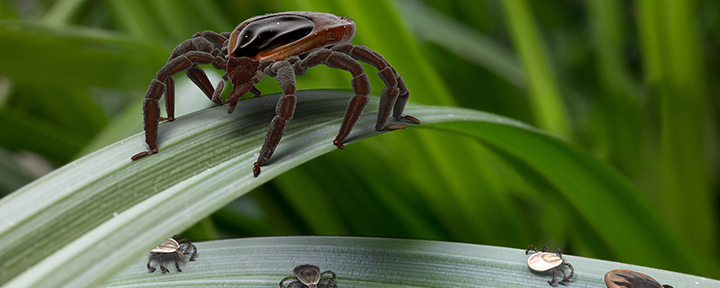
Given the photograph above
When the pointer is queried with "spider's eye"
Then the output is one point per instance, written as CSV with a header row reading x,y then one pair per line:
x,y
272,32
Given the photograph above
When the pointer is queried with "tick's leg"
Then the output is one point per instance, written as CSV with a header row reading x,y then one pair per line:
x,y
331,280
395,94
545,248
572,271
162,268
553,280
151,108
284,110
285,279
360,84
187,248
531,247
562,282
329,272
177,266
148,265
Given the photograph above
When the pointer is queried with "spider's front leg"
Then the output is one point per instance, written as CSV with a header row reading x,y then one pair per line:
x,y
164,83
285,110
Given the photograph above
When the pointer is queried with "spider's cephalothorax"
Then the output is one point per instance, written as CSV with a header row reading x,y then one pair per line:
x,y
543,261
176,248
280,45
309,276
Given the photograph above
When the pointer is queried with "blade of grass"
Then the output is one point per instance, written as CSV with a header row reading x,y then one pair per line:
x,y
373,262
675,78
61,12
546,101
382,27
104,200
618,118
445,32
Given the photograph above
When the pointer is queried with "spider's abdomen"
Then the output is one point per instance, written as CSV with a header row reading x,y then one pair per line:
x,y
281,35
271,32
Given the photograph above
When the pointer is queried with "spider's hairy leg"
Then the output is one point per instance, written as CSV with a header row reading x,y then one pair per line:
x,y
151,115
394,96
360,84
285,110
164,83
357,104
208,42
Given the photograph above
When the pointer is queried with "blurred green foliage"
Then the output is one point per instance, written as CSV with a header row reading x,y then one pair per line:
x,y
628,81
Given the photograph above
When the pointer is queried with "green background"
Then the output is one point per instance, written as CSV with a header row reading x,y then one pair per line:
x,y
629,82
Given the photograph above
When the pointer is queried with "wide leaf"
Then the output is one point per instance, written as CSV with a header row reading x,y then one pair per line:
x,y
93,217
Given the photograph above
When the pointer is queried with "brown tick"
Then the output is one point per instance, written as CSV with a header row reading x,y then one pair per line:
x,y
631,279
174,247
280,45
544,261
309,276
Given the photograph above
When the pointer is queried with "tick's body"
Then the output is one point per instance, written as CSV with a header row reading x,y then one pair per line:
x,y
623,278
543,261
309,276
281,45
174,247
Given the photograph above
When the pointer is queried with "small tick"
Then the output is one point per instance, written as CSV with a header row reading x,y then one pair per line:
x,y
174,247
630,279
543,261
309,276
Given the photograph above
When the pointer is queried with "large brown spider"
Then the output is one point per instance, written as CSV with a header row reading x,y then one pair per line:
x,y
280,45
176,248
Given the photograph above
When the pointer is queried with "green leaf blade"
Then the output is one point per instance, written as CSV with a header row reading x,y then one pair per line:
x,y
93,217
372,262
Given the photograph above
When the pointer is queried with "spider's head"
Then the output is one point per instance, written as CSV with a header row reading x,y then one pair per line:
x,y
240,71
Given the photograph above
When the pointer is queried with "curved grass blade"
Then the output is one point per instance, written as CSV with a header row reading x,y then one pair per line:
x,y
93,217
373,262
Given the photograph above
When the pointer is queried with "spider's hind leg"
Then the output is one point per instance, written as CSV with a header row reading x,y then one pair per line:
x,y
394,96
